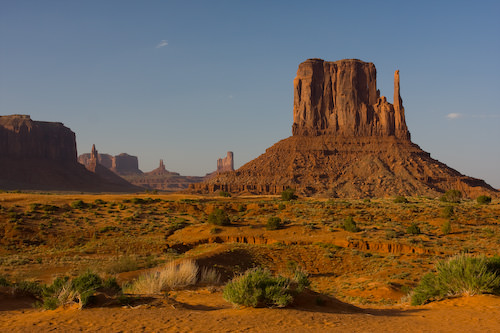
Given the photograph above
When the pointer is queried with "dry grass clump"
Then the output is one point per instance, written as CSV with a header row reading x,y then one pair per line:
x,y
460,275
173,276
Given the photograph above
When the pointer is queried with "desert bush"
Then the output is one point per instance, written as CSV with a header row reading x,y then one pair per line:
x,y
219,217
79,290
350,225
274,223
400,199
288,194
29,287
257,287
483,199
78,204
173,276
224,194
459,275
453,196
413,229
85,285
448,211
446,227
99,202
4,282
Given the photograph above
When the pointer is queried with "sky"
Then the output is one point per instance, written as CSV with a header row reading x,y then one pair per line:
x,y
187,81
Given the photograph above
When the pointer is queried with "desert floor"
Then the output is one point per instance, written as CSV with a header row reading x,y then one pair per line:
x,y
359,280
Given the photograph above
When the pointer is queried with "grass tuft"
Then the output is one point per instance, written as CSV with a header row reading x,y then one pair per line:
x,y
459,275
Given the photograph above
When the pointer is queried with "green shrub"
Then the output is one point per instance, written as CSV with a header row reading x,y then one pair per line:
x,y
400,199
459,275
4,282
29,287
350,225
257,287
219,217
224,194
288,194
79,290
274,223
453,196
483,199
448,211
99,202
446,227
78,204
413,229
86,285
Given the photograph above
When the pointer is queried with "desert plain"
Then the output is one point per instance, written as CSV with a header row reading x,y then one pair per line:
x,y
360,279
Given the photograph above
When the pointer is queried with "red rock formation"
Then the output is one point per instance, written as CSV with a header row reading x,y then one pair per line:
x,y
226,164
94,166
163,180
347,142
123,164
21,137
38,155
341,98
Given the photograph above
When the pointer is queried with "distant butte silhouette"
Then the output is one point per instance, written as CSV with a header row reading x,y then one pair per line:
x,y
39,155
347,141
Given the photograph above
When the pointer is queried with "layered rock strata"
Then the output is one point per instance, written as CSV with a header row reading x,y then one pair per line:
x,y
348,141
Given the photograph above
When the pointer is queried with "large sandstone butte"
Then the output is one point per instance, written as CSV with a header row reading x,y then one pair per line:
x,y
348,141
38,155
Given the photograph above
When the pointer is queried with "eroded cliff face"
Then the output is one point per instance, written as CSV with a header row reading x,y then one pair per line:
x,y
21,137
38,155
341,99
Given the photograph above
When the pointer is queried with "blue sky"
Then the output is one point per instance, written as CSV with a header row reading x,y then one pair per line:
x,y
186,81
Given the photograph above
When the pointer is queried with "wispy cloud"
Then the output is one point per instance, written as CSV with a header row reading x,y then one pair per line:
x,y
453,115
161,44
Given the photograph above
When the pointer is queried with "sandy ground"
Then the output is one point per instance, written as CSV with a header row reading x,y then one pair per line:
x,y
202,311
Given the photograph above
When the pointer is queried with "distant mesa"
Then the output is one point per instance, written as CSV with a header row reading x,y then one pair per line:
x,y
94,166
38,155
122,164
348,141
163,180
127,167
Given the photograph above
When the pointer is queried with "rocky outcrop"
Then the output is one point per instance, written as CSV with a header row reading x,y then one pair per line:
x,y
348,141
226,164
163,180
341,98
122,164
21,137
37,155
94,166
